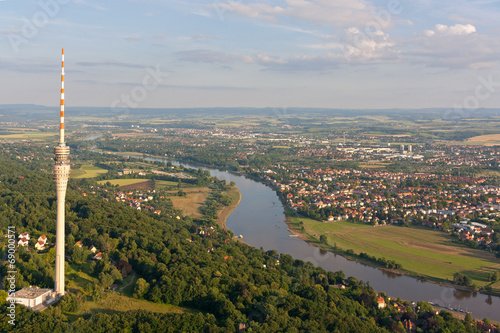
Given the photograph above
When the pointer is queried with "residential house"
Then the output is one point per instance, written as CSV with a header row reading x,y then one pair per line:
x,y
25,235
22,242
409,325
381,302
42,239
40,246
484,327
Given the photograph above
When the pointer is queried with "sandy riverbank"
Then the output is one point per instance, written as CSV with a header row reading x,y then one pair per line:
x,y
224,213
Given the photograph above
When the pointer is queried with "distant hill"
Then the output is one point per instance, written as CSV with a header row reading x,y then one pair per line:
x,y
23,112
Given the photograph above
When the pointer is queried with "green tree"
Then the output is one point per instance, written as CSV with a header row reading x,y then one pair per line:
x,y
423,307
323,239
96,293
80,254
50,257
468,320
141,288
3,297
461,279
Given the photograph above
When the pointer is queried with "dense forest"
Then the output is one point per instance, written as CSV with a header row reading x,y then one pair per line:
x,y
224,283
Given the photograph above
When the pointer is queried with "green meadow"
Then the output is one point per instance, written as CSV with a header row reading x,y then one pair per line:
x,y
87,171
123,182
424,252
112,301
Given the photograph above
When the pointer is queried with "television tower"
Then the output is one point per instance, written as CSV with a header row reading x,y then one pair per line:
x,y
61,175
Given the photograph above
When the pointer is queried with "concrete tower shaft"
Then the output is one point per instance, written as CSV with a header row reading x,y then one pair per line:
x,y
61,175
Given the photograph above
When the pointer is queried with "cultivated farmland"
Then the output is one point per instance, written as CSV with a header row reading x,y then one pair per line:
x,y
427,253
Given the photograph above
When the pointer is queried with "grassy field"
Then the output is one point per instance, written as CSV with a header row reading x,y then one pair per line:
x,y
78,277
27,134
374,165
489,173
112,301
429,254
485,139
159,184
191,203
87,171
123,182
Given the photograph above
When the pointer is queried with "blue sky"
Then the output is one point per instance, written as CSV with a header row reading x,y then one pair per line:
x,y
257,53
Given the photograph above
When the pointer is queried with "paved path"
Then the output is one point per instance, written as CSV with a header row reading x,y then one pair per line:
x,y
130,282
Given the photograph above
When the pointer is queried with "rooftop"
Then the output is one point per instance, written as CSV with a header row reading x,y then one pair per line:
x,y
30,293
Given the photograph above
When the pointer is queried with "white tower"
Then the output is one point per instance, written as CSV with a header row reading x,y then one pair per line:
x,y
61,175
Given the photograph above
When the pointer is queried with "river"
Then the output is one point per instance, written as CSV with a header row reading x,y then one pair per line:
x,y
260,219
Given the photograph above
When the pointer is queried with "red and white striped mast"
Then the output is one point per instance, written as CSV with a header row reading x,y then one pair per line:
x,y
61,127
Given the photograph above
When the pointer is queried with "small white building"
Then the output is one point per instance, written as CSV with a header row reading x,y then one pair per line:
x,y
30,297
42,239
39,246
22,242
381,302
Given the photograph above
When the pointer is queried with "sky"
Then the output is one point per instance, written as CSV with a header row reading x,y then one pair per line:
x,y
252,53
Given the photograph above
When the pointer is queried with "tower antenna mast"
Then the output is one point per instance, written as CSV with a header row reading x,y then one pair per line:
x,y
61,125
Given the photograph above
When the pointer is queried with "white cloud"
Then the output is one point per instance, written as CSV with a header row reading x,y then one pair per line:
x,y
364,48
208,56
457,29
199,37
91,4
358,47
337,13
297,29
202,13
254,10
478,12
370,51
266,59
108,64
455,46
